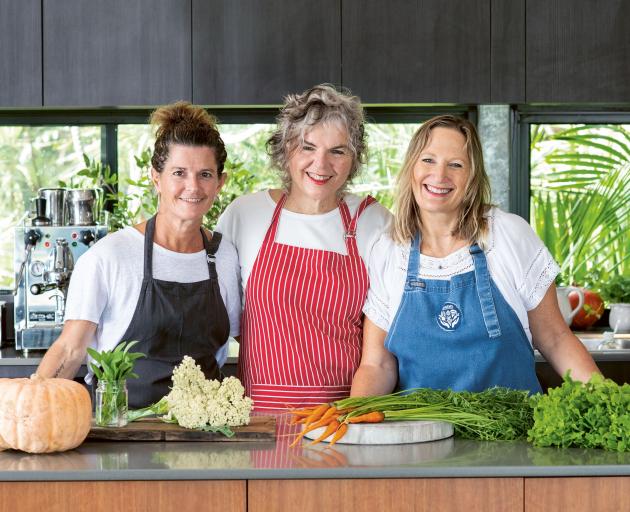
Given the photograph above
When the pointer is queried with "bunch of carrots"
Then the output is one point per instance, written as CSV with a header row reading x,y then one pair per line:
x,y
490,415
335,420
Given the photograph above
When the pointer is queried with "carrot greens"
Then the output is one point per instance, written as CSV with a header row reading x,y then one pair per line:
x,y
493,414
595,414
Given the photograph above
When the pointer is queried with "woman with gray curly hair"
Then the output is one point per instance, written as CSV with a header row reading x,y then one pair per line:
x,y
304,252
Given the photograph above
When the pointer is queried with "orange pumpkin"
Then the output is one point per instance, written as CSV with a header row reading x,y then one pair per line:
x,y
39,415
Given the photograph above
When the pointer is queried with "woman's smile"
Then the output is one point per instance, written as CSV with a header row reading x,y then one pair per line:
x,y
319,179
438,191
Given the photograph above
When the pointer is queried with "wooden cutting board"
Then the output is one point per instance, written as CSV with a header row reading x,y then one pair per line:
x,y
391,432
260,428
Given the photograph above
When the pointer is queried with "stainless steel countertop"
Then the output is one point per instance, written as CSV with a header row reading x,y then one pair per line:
x,y
235,460
597,355
11,357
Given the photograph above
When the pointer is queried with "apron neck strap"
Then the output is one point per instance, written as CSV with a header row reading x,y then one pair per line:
x,y
484,291
273,227
350,223
413,267
211,249
149,233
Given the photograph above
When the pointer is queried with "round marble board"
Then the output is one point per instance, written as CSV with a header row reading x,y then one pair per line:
x,y
391,432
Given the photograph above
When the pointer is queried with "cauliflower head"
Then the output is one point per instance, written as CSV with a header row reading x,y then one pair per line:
x,y
196,402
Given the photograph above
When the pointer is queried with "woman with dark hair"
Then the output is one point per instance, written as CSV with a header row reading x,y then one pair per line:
x,y
166,282
462,292
304,252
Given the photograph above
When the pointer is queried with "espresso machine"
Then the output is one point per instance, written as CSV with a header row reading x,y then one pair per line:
x,y
63,226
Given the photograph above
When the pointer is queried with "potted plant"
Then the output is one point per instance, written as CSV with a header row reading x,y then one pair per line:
x,y
616,291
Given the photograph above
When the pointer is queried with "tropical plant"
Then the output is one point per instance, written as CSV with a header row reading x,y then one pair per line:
x,y
616,290
580,185
387,146
136,203
240,180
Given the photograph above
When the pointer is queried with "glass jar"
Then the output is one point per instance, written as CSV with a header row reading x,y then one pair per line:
x,y
111,403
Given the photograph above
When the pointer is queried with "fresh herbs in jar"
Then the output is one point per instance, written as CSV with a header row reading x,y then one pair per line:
x,y
112,368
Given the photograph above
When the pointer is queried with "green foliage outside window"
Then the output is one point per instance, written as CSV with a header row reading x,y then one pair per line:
x,y
32,157
580,182
248,171
580,198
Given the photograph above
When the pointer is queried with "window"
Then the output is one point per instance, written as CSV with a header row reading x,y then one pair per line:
x,y
45,149
579,185
387,145
33,157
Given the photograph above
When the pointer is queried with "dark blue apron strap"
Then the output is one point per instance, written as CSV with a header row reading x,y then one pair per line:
x,y
149,232
484,292
211,249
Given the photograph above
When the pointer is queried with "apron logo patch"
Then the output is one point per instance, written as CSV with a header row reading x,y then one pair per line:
x,y
449,317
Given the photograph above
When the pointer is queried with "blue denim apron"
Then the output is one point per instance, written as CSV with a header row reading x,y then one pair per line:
x,y
459,334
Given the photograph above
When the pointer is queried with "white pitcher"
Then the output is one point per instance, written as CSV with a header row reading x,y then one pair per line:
x,y
565,304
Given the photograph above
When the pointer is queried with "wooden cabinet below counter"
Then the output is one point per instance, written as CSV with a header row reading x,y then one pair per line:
x,y
582,494
126,496
431,494
578,494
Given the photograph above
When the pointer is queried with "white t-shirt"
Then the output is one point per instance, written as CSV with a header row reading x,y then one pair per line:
x,y
519,263
246,220
106,282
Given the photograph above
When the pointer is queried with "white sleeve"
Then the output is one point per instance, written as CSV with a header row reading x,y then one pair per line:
x,y
222,354
373,222
377,304
229,273
88,292
532,265
226,222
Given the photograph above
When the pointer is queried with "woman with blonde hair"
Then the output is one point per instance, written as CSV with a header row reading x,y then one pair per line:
x,y
461,292
304,251
167,282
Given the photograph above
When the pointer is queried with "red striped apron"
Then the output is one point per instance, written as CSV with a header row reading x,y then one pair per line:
x,y
302,319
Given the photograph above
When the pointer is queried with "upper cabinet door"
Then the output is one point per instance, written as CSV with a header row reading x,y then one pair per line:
x,y
507,54
255,52
417,51
578,51
116,52
21,54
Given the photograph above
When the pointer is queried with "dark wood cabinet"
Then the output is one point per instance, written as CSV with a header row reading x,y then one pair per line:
x,y
256,52
21,53
578,51
420,51
93,53
507,53
116,52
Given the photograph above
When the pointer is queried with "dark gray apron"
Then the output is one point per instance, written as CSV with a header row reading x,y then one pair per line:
x,y
172,320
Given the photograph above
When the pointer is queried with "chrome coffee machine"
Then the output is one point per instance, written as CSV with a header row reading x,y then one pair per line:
x,y
63,226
